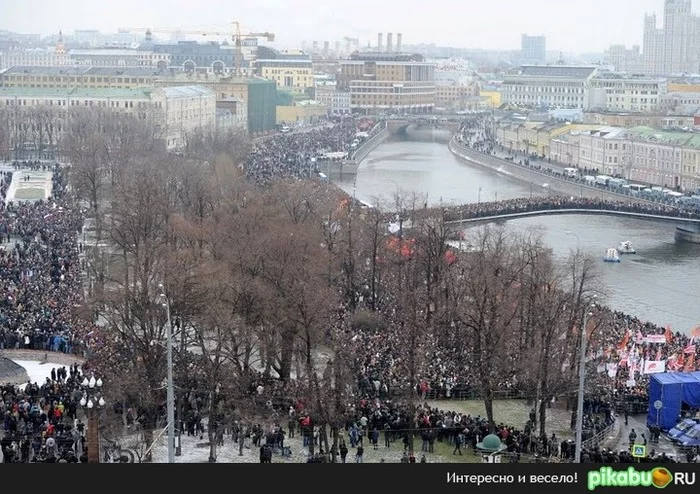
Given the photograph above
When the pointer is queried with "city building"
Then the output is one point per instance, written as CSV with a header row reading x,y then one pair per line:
x,y
644,155
336,101
392,82
457,96
183,110
190,56
674,48
306,112
627,119
257,94
621,93
682,103
551,86
625,60
175,111
533,50
80,77
666,159
293,72
605,150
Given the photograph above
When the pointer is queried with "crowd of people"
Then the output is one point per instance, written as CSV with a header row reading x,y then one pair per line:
x,y
40,277
41,283
40,423
298,154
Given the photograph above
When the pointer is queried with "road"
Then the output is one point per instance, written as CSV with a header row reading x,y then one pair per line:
x,y
639,424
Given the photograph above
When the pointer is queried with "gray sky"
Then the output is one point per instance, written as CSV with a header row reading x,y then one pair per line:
x,y
588,26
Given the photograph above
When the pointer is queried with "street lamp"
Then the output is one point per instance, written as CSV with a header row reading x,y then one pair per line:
x,y
92,400
582,382
170,388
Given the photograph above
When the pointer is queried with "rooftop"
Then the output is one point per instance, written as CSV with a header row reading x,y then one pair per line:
x,y
98,93
686,139
186,91
100,52
563,71
386,57
81,70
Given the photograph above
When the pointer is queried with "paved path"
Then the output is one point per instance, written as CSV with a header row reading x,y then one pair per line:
x,y
639,424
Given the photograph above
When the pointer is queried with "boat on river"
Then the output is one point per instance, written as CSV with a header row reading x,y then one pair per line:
x,y
611,255
626,248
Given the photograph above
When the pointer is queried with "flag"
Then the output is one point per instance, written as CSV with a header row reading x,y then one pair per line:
x,y
658,354
691,347
690,363
654,366
625,340
668,334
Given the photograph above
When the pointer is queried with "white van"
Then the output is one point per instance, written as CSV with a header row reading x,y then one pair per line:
x,y
590,179
602,180
571,172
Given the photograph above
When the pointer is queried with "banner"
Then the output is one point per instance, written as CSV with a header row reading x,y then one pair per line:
x,y
655,338
612,371
654,366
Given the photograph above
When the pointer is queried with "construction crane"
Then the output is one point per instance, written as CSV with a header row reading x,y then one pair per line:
x,y
237,37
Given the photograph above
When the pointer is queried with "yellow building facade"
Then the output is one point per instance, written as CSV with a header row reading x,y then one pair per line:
x,y
301,112
494,98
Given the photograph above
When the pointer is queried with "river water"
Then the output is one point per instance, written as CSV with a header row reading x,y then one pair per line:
x,y
661,283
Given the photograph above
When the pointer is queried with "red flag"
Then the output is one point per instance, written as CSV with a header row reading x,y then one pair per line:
x,y
691,347
625,340
668,334
690,364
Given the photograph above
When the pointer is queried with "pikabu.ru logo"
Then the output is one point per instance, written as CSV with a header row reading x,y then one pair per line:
x,y
659,477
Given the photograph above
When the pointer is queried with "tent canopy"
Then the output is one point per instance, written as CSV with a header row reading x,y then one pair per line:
x,y
672,390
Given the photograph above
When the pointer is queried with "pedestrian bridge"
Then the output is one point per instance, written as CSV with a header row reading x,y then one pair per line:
x,y
687,228
402,125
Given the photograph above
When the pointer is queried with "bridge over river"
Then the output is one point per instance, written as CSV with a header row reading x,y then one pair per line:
x,y
687,223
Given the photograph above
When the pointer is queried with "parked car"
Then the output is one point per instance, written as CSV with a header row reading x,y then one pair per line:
x,y
691,438
680,428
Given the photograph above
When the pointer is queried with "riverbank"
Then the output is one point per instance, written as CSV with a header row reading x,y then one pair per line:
x,y
537,179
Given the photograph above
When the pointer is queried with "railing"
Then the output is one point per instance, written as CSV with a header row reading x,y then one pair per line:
x,y
592,442
378,133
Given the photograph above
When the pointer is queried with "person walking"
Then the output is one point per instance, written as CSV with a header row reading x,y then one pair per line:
x,y
360,453
343,452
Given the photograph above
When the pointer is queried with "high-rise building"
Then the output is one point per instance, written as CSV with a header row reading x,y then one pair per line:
x,y
533,49
675,48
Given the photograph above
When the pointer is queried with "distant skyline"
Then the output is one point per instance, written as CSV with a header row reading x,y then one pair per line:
x,y
582,27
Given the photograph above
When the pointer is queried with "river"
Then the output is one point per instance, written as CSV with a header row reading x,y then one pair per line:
x,y
660,284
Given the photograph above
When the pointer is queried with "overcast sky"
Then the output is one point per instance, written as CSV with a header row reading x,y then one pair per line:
x,y
587,26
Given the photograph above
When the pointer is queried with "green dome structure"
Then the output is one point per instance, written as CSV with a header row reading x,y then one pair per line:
x,y
491,444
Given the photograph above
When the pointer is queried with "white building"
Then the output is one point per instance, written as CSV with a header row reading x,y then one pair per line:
x,y
551,86
337,101
118,57
617,93
183,110
625,60
605,150
675,48
682,103
175,111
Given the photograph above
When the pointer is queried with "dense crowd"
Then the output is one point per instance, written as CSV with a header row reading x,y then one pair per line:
x,y
40,423
298,154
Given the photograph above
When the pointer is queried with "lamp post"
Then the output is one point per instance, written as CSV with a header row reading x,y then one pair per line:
x,y
581,383
92,401
170,388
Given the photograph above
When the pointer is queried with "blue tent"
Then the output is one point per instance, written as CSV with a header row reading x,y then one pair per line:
x,y
672,390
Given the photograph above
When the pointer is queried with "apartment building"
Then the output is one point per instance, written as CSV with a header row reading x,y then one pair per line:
x,y
550,86
391,82
617,93
176,111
